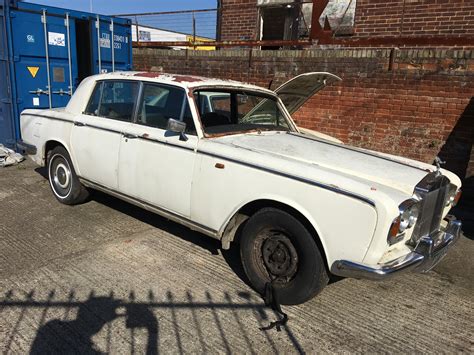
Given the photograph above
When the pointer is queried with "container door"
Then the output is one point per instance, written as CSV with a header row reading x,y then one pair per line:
x,y
7,132
45,61
123,47
111,46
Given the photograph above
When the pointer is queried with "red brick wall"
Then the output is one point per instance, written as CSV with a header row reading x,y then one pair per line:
x,y
239,20
414,17
372,18
419,107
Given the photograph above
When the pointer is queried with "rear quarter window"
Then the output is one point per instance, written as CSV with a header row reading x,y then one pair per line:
x,y
93,105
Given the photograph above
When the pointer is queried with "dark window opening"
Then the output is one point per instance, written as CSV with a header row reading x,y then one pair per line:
x,y
83,49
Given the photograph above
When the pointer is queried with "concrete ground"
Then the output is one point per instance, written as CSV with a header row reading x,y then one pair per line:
x,y
107,276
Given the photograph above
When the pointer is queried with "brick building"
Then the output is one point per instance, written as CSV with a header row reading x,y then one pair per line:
x,y
248,19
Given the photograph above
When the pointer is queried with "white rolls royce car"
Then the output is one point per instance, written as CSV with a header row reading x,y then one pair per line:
x,y
226,159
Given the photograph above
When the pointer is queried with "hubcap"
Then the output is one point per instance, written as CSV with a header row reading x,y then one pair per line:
x,y
279,256
60,175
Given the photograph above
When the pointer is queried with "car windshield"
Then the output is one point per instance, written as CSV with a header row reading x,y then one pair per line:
x,y
231,112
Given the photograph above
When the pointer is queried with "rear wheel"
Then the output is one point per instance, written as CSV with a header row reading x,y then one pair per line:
x,y
63,179
276,247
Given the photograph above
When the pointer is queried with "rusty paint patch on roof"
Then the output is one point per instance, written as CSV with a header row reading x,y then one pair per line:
x,y
173,77
186,78
147,74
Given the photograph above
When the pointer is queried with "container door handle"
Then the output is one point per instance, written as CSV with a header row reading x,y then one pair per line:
x,y
39,92
62,92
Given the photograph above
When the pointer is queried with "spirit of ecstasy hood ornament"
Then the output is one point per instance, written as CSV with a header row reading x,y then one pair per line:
x,y
438,163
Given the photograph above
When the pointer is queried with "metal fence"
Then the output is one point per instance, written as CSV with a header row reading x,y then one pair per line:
x,y
313,23
174,26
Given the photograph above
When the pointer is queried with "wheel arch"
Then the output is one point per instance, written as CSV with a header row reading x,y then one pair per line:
x,y
49,145
234,224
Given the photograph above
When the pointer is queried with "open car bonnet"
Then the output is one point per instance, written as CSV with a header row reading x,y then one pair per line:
x,y
295,92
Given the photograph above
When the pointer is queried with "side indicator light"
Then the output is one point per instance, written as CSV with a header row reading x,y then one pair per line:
x,y
457,197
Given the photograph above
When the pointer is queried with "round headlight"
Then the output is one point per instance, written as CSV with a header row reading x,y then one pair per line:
x,y
407,218
408,214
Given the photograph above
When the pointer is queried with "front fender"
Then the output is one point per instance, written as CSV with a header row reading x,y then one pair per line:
x,y
339,235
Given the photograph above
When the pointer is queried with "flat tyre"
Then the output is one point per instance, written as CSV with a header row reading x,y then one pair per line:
x,y
276,247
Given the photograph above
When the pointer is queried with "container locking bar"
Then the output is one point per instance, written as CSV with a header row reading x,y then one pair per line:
x,y
46,45
66,22
112,44
97,25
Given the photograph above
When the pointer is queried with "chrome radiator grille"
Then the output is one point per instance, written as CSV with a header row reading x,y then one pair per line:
x,y
433,191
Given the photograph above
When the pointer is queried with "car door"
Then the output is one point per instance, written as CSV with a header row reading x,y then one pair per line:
x,y
97,133
155,165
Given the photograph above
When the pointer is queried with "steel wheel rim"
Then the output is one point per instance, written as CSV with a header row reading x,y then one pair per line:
x,y
276,257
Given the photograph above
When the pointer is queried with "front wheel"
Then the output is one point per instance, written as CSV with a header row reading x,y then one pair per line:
x,y
63,179
276,247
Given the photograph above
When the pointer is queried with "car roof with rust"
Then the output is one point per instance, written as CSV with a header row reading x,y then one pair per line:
x,y
185,81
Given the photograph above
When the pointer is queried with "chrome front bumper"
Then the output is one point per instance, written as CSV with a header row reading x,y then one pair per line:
x,y
428,252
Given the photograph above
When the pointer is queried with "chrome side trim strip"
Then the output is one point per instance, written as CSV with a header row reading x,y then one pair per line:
x,y
99,128
354,149
152,208
154,140
293,177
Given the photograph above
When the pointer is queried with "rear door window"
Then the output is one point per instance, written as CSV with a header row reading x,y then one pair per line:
x,y
159,103
118,100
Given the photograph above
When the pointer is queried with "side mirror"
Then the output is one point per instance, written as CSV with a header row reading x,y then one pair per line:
x,y
177,127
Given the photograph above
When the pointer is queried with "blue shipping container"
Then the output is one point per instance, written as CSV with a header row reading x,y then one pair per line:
x,y
45,52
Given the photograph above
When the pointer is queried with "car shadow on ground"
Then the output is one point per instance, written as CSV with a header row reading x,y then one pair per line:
x,y
231,256
105,324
